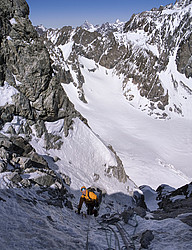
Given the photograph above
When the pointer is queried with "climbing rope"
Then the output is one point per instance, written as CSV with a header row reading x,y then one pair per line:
x,y
88,229
111,230
127,239
129,244
108,243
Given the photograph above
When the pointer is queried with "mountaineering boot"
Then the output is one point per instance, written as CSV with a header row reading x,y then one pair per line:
x,y
81,213
95,212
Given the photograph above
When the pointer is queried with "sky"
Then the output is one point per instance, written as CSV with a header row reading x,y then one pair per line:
x,y
59,13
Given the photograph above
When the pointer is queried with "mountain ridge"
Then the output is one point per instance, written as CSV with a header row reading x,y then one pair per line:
x,y
144,41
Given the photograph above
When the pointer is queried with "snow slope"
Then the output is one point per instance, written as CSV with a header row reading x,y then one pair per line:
x,y
27,222
153,151
83,157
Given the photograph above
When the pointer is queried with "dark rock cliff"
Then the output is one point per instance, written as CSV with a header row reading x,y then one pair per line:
x,y
25,64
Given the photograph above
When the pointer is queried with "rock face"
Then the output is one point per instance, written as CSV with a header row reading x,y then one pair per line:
x,y
184,61
140,51
33,97
21,166
174,202
118,171
25,64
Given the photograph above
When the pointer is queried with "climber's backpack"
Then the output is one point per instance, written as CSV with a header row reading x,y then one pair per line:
x,y
97,192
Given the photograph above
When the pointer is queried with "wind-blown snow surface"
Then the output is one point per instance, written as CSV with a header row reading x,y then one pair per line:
x,y
27,222
153,151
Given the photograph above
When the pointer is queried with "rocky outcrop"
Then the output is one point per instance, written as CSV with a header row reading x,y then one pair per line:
x,y
175,202
10,9
184,56
25,64
22,167
117,171
167,202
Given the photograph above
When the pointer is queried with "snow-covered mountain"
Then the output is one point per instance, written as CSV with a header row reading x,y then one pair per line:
x,y
148,52
104,28
111,71
105,106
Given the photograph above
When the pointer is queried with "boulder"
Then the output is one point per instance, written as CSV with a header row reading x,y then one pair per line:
x,y
42,179
21,145
14,177
68,204
146,239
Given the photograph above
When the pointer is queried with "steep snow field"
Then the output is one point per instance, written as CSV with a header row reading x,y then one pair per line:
x,y
83,157
153,151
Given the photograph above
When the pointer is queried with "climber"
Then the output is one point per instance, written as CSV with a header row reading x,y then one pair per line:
x,y
91,201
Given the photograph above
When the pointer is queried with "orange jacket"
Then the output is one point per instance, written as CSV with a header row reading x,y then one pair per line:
x,y
88,198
